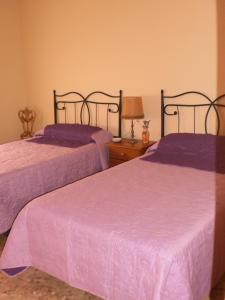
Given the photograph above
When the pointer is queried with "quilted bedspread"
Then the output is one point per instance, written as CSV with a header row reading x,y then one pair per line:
x,y
140,230
29,169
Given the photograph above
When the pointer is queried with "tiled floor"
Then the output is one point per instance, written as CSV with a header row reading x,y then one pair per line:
x,y
35,285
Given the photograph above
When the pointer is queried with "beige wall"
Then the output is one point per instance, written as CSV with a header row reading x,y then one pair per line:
x,y
139,46
12,89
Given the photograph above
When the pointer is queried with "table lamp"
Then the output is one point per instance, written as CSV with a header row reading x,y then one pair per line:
x,y
132,109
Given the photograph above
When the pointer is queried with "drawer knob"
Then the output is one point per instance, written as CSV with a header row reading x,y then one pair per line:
x,y
122,153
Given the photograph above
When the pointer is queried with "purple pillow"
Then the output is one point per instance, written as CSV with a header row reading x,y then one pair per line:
x,y
189,142
71,132
199,151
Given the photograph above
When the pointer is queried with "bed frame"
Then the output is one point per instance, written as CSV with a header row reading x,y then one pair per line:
x,y
172,109
88,105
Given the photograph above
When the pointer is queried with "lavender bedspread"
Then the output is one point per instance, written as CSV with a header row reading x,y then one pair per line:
x,y
31,168
140,230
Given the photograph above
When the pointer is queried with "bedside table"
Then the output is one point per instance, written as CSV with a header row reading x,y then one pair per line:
x,y
124,151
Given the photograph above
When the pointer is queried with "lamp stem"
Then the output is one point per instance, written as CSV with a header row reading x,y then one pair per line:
x,y
132,129
132,140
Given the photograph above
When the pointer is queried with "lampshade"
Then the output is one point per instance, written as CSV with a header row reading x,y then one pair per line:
x,y
132,108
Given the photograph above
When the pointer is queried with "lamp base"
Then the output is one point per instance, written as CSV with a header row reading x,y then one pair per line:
x,y
132,141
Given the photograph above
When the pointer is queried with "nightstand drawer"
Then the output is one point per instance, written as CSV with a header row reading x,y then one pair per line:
x,y
123,154
124,151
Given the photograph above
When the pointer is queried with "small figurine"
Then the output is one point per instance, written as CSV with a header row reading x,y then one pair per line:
x,y
27,117
145,132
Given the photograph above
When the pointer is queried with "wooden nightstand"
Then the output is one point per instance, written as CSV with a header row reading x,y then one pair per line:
x,y
124,151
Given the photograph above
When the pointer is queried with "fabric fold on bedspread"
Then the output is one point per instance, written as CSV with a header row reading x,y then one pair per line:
x,y
45,140
101,138
205,162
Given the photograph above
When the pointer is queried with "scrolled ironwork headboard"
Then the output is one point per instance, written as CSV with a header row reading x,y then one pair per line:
x,y
209,105
90,105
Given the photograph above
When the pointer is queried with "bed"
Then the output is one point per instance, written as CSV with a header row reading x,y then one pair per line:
x,y
64,152
151,228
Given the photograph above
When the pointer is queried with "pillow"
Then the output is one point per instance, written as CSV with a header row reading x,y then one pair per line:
x,y
189,142
199,151
77,132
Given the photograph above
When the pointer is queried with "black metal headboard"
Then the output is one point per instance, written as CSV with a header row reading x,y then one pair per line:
x,y
172,109
88,104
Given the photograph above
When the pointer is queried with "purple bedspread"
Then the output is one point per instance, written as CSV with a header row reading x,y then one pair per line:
x,y
131,232
33,167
